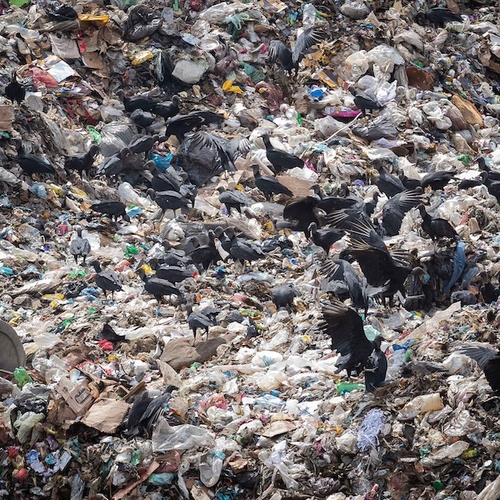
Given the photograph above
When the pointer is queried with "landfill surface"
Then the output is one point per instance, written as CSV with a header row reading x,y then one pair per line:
x,y
219,385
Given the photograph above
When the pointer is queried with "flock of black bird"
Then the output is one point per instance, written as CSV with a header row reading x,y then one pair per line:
x,y
387,274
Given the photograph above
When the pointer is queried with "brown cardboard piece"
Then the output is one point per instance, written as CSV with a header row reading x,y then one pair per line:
x,y
77,395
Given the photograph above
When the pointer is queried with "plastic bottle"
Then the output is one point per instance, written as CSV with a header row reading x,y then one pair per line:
x,y
22,377
343,387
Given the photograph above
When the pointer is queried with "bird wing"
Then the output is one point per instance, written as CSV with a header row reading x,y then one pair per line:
x,y
482,355
277,49
376,264
295,209
489,361
306,39
345,327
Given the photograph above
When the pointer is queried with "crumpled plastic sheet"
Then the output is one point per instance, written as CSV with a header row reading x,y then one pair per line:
x,y
370,428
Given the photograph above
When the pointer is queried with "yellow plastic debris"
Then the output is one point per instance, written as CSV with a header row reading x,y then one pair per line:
x,y
93,18
229,87
141,57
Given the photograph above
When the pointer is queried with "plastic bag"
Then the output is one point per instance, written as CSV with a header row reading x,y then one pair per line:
x,y
211,467
183,437
115,136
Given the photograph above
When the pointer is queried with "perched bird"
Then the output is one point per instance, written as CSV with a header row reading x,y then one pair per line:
x,y
142,143
106,280
158,287
387,183
113,208
252,330
14,90
269,185
436,227
137,102
167,180
489,361
82,162
489,292
438,17
464,296
145,411
174,274
282,297
108,333
32,164
168,200
280,160
167,109
325,238
233,198
290,59
345,327
243,250
437,180
79,246
198,320
142,119
364,101
205,254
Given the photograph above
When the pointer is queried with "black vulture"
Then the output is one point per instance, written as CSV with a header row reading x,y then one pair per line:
x,y
32,164
174,274
79,246
280,160
145,411
282,297
167,109
436,227
381,268
364,101
137,102
198,320
302,213
342,280
168,200
290,59
345,327
14,90
437,180
158,287
438,17
82,162
233,198
142,143
112,208
325,238
269,185
395,209
489,361
106,280
387,183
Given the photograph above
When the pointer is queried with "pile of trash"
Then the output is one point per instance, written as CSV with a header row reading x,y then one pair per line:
x,y
208,210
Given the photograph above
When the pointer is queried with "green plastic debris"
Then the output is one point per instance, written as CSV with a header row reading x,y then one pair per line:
x,y
80,273
96,136
130,251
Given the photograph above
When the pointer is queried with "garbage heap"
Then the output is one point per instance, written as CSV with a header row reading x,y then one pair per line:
x,y
115,399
